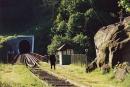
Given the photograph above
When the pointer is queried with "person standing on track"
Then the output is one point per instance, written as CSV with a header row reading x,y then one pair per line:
x,y
53,61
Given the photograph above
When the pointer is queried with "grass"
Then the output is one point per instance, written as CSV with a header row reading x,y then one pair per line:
x,y
93,79
18,76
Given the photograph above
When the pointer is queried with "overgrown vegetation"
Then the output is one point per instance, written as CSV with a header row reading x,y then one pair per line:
x,y
79,20
4,47
18,76
6,38
94,79
58,22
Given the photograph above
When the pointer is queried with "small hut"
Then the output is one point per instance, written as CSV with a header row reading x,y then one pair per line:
x,y
64,53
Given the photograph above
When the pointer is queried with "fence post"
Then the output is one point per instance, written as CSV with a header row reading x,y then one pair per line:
x,y
86,52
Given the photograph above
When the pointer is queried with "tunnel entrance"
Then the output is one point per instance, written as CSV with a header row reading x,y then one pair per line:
x,y
24,47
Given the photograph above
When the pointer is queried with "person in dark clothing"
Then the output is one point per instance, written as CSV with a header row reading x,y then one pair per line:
x,y
52,60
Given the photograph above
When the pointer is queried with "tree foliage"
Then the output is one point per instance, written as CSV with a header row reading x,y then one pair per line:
x,y
125,4
79,20
6,38
76,23
80,39
57,41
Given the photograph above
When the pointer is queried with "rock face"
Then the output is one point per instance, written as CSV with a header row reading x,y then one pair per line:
x,y
121,71
113,43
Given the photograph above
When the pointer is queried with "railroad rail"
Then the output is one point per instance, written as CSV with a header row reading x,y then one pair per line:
x,y
51,79
31,60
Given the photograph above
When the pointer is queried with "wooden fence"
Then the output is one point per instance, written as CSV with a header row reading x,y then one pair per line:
x,y
79,59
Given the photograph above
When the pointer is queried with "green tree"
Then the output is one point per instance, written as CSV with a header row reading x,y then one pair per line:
x,y
57,41
80,41
125,4
79,20
62,28
76,23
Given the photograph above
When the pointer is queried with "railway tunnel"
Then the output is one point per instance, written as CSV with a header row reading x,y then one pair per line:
x,y
21,50
24,47
20,44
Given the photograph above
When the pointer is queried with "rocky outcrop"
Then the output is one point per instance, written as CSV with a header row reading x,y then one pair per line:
x,y
113,43
121,71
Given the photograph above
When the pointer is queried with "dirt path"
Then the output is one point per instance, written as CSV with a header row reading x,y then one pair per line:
x,y
51,79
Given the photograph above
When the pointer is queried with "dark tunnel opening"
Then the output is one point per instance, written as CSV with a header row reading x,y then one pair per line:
x,y
24,47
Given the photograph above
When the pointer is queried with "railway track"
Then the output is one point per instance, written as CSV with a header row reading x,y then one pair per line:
x,y
31,60
51,79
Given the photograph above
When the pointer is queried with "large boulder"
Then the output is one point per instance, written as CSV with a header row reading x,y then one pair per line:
x,y
113,43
